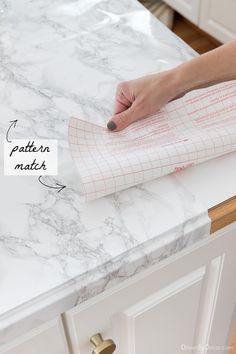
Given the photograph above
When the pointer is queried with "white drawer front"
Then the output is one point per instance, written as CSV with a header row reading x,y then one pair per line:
x,y
218,19
46,339
165,309
134,320
188,8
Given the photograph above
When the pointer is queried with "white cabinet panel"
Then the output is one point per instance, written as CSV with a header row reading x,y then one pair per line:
x,y
224,301
188,8
186,302
217,18
46,339
165,320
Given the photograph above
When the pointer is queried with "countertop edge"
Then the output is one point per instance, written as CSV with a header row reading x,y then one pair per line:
x,y
64,297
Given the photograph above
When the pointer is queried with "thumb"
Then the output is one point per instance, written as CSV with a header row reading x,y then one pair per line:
x,y
122,120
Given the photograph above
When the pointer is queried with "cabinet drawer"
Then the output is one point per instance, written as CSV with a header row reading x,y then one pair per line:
x,y
188,8
46,339
218,19
145,312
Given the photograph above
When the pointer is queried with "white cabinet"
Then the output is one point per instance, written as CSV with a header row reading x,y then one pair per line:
x,y
165,320
46,339
218,18
188,8
186,302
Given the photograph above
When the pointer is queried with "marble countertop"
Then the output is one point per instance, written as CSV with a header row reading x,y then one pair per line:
x,y
60,59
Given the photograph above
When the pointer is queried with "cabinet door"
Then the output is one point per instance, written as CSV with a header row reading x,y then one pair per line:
x,y
164,322
178,306
217,18
46,339
188,8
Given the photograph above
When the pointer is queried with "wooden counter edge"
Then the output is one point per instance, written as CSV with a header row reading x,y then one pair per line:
x,y
222,214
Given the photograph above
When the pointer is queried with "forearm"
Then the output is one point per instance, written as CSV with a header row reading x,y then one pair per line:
x,y
139,98
211,68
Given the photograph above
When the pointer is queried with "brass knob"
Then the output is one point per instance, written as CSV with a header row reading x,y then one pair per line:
x,y
102,346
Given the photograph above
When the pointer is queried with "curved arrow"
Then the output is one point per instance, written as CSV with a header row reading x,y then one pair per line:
x,y
58,185
13,124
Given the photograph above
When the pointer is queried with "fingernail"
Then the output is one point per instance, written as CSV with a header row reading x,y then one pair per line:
x,y
111,125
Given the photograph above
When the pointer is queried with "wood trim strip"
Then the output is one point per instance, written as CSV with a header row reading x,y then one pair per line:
x,y
222,214
233,344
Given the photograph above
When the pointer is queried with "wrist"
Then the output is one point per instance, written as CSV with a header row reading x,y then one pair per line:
x,y
185,81
176,86
190,76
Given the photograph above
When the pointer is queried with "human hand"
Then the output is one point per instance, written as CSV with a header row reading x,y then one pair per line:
x,y
139,98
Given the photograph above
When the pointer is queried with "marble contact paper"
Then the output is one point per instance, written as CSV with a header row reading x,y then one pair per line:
x,y
62,58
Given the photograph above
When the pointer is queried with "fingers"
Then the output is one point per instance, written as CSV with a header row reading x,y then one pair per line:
x,y
120,106
123,109
122,120
122,101
126,110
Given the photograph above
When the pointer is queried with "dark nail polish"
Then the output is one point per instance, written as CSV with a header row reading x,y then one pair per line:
x,y
111,125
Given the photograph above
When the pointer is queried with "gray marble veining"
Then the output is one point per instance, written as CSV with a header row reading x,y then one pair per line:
x,y
60,58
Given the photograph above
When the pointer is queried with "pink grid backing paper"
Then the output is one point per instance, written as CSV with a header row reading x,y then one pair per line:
x,y
190,130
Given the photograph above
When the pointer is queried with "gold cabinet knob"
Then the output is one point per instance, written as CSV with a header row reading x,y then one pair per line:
x,y
102,346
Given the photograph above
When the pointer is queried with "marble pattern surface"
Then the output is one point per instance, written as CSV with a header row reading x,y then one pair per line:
x,y
61,58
